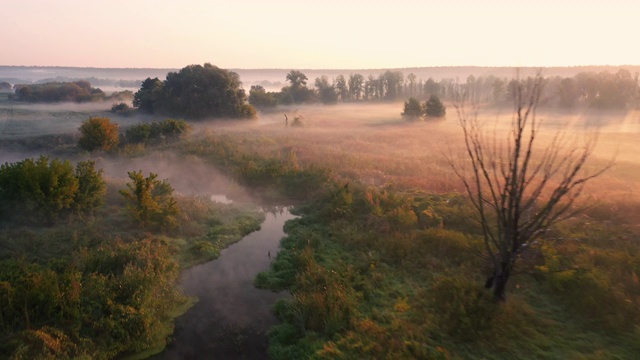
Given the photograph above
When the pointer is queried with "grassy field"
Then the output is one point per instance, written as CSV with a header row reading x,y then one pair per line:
x,y
368,282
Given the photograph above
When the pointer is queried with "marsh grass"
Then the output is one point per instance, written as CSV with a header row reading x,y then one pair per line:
x,y
371,281
419,291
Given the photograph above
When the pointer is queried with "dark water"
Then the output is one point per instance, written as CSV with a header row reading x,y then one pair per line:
x,y
232,316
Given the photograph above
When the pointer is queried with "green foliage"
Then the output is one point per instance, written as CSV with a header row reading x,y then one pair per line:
x,y
146,99
165,131
412,109
151,203
195,92
121,109
42,191
92,188
461,308
434,107
261,99
98,304
78,91
98,134
326,91
297,92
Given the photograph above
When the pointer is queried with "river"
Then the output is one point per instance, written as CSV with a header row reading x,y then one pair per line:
x,y
232,317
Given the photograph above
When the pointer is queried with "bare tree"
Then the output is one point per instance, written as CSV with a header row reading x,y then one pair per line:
x,y
519,189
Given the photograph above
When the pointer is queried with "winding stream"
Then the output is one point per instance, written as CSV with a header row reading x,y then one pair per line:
x,y
231,317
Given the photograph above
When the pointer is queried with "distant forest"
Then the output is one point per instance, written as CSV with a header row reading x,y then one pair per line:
x,y
605,87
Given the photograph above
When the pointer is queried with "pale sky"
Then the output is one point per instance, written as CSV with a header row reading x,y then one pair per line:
x,y
322,34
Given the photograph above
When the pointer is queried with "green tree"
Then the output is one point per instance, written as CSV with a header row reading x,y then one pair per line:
x,y
197,91
98,134
297,79
148,96
37,191
151,202
434,107
411,83
297,92
412,109
392,82
431,87
260,98
342,88
356,86
92,188
326,90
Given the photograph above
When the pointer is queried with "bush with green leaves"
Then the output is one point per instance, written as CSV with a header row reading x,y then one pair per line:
x,y
98,134
42,191
434,107
167,130
151,203
412,109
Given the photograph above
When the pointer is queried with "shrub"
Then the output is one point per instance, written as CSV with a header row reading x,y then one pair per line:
x,y
41,191
121,109
434,107
98,134
151,202
412,109
461,308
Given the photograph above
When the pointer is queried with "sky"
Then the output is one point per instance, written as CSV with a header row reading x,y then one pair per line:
x,y
319,34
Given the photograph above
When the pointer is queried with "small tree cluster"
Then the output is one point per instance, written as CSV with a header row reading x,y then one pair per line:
x,y
42,191
432,108
151,202
195,92
98,134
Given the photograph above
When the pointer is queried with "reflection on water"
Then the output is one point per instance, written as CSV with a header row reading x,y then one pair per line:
x,y
231,319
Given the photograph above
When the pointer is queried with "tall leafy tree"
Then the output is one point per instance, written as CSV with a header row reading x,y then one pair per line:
x,y
342,88
148,96
356,86
92,188
411,84
392,82
326,90
297,92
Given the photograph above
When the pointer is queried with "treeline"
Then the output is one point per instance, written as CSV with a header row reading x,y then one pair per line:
x,y
77,91
95,81
599,90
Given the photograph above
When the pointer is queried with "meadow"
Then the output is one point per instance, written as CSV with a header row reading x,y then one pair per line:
x,y
367,279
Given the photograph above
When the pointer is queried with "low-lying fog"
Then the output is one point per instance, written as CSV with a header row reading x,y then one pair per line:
x,y
368,142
